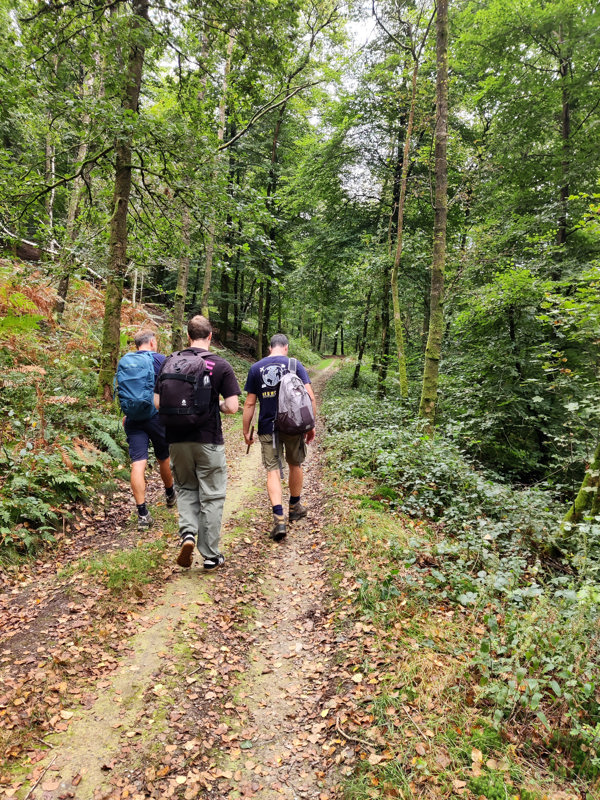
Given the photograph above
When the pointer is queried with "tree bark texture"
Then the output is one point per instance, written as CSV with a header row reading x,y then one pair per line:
x,y
433,350
210,243
564,70
259,337
587,502
362,344
117,253
178,334
398,332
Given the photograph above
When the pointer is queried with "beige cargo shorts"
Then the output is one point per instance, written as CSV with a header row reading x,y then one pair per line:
x,y
294,448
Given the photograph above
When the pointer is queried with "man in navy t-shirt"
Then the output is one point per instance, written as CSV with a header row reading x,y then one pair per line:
x,y
141,433
262,384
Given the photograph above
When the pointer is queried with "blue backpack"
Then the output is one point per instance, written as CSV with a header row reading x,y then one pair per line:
x,y
134,382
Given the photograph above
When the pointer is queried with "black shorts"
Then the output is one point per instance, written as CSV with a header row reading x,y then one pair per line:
x,y
140,434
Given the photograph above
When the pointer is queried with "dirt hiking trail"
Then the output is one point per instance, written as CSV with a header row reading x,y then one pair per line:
x,y
208,684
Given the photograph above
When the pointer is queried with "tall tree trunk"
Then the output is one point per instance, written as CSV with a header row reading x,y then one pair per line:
x,y
398,332
587,502
178,335
426,318
66,260
210,244
238,293
50,152
433,350
384,358
226,299
50,176
117,252
564,68
259,336
196,287
416,50
266,324
279,312
363,343
224,314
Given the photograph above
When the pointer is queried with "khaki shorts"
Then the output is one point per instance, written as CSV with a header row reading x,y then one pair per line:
x,y
294,447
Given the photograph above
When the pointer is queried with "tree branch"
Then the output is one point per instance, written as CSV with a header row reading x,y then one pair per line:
x,y
265,110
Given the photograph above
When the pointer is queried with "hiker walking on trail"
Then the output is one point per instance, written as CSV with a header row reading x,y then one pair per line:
x,y
134,381
187,396
281,430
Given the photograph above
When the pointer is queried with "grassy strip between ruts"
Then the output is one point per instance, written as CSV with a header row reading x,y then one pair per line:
x,y
414,697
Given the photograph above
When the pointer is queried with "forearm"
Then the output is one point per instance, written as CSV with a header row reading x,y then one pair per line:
x,y
229,405
247,418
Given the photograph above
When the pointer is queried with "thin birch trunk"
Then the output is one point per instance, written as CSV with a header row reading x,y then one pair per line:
x,y
212,223
398,332
433,350
66,260
178,335
259,337
363,343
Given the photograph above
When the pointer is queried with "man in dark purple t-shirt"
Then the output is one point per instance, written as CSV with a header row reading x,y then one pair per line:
x,y
262,384
198,455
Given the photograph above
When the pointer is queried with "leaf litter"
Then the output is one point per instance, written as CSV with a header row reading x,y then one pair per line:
x,y
240,672
263,680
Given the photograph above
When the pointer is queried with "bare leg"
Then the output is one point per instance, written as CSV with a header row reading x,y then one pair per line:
x,y
165,473
138,481
274,487
296,480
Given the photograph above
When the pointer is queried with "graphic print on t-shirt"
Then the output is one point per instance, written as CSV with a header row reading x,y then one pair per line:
x,y
271,375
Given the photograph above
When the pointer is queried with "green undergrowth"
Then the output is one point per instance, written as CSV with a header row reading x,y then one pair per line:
x,y
482,551
60,446
125,570
427,714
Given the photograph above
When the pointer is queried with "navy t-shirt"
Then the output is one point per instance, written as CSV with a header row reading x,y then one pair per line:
x,y
263,381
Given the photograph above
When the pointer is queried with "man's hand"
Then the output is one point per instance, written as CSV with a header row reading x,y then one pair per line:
x,y
309,436
229,405
249,437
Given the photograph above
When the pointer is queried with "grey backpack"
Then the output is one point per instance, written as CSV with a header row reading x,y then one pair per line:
x,y
294,406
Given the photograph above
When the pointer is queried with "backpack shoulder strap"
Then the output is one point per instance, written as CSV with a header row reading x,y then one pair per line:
x,y
292,365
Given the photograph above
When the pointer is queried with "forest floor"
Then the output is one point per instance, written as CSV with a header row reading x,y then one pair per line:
x,y
195,684
303,669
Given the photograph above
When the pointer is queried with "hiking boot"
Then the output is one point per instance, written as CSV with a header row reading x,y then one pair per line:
x,y
297,511
171,500
186,554
144,521
211,562
279,529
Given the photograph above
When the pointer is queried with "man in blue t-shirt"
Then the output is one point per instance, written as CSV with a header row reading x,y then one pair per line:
x,y
262,384
140,434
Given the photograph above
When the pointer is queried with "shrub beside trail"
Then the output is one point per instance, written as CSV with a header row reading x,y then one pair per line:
x,y
486,548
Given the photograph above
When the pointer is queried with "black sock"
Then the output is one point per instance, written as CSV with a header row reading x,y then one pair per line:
x,y
294,500
278,510
170,491
142,510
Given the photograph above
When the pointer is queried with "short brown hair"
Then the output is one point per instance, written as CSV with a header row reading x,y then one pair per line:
x,y
143,337
199,328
